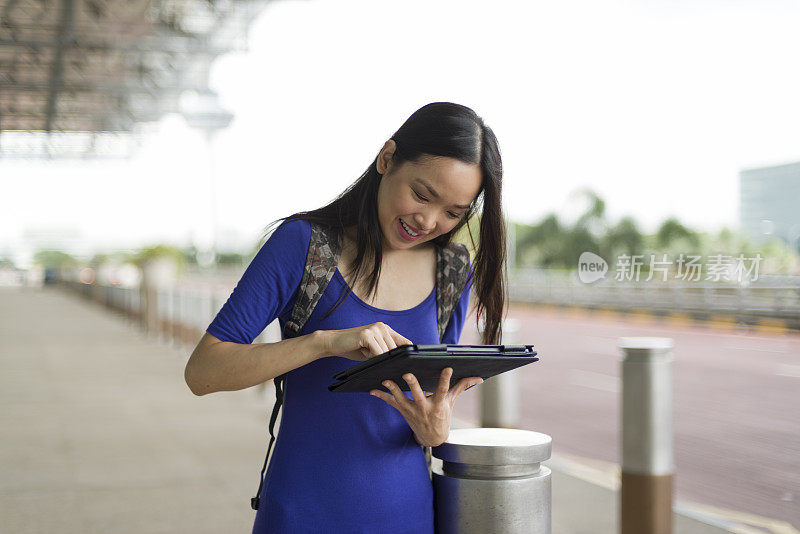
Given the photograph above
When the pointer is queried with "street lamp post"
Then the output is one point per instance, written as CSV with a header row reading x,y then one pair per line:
x,y
201,110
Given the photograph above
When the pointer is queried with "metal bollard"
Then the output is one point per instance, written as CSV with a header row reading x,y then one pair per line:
x,y
501,395
490,480
647,454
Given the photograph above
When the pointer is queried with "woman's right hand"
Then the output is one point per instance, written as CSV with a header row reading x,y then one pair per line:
x,y
363,342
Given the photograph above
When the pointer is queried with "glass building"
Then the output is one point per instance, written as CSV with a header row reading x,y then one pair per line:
x,y
769,203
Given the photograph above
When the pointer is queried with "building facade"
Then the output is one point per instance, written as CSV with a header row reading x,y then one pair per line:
x,y
769,203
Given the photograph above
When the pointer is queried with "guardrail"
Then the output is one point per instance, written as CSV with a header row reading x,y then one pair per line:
x,y
186,306
770,297
177,315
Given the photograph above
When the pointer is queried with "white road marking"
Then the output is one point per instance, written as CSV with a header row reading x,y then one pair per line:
x,y
607,475
614,352
789,370
592,380
756,349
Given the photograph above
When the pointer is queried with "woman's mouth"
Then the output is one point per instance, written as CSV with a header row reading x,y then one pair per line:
x,y
406,232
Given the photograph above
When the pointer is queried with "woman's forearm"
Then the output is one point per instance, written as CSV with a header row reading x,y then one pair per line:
x,y
226,366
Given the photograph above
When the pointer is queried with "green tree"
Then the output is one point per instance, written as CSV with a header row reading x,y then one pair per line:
x,y
672,230
159,251
229,258
622,238
540,244
54,259
190,255
118,256
594,216
577,240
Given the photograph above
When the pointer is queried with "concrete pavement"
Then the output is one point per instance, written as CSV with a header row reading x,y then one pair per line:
x,y
99,433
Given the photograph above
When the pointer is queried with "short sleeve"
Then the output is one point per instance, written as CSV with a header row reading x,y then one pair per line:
x,y
453,331
267,287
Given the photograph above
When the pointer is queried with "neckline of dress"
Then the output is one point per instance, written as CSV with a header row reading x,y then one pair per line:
x,y
355,297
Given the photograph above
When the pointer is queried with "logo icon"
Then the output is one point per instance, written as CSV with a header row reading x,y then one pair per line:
x,y
591,267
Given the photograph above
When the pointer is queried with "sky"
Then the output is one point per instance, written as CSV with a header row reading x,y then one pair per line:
x,y
656,105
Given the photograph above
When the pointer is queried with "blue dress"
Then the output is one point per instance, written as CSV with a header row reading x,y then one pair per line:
x,y
342,462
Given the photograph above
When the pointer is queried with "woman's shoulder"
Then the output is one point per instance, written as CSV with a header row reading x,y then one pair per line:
x,y
297,234
295,226
290,232
286,244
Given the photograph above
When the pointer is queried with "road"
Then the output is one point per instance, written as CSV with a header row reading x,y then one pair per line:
x,y
736,403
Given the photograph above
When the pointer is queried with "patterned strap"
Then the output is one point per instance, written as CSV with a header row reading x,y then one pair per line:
x,y
452,269
321,262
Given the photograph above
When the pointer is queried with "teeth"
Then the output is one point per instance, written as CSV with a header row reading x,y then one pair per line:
x,y
407,228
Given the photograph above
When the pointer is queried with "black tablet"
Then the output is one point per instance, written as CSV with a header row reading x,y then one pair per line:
x,y
426,363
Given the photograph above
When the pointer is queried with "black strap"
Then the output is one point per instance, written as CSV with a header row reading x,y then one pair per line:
x,y
324,249
279,380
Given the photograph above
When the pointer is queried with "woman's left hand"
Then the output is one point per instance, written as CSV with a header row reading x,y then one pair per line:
x,y
428,417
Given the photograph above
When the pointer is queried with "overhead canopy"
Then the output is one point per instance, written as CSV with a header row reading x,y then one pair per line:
x,y
103,66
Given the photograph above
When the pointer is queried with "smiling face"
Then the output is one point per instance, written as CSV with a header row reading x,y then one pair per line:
x,y
419,201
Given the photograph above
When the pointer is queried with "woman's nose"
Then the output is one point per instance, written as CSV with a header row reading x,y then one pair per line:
x,y
425,221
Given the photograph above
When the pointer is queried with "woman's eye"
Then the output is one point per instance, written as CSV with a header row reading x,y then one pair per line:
x,y
453,215
419,196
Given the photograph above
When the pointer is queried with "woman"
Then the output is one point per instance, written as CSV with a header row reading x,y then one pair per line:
x,y
346,462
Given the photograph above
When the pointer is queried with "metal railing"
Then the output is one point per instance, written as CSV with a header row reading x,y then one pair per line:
x,y
184,309
775,297
177,315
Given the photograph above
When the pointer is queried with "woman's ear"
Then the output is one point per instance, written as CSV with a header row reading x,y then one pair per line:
x,y
384,162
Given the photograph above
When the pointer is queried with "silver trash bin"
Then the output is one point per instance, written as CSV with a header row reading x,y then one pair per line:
x,y
490,480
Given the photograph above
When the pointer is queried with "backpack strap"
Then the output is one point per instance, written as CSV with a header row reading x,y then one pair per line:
x,y
323,257
452,270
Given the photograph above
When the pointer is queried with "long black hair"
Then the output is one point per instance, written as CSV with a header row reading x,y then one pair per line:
x,y
437,129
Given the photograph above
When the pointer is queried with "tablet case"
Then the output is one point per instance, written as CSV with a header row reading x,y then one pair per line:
x,y
426,363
